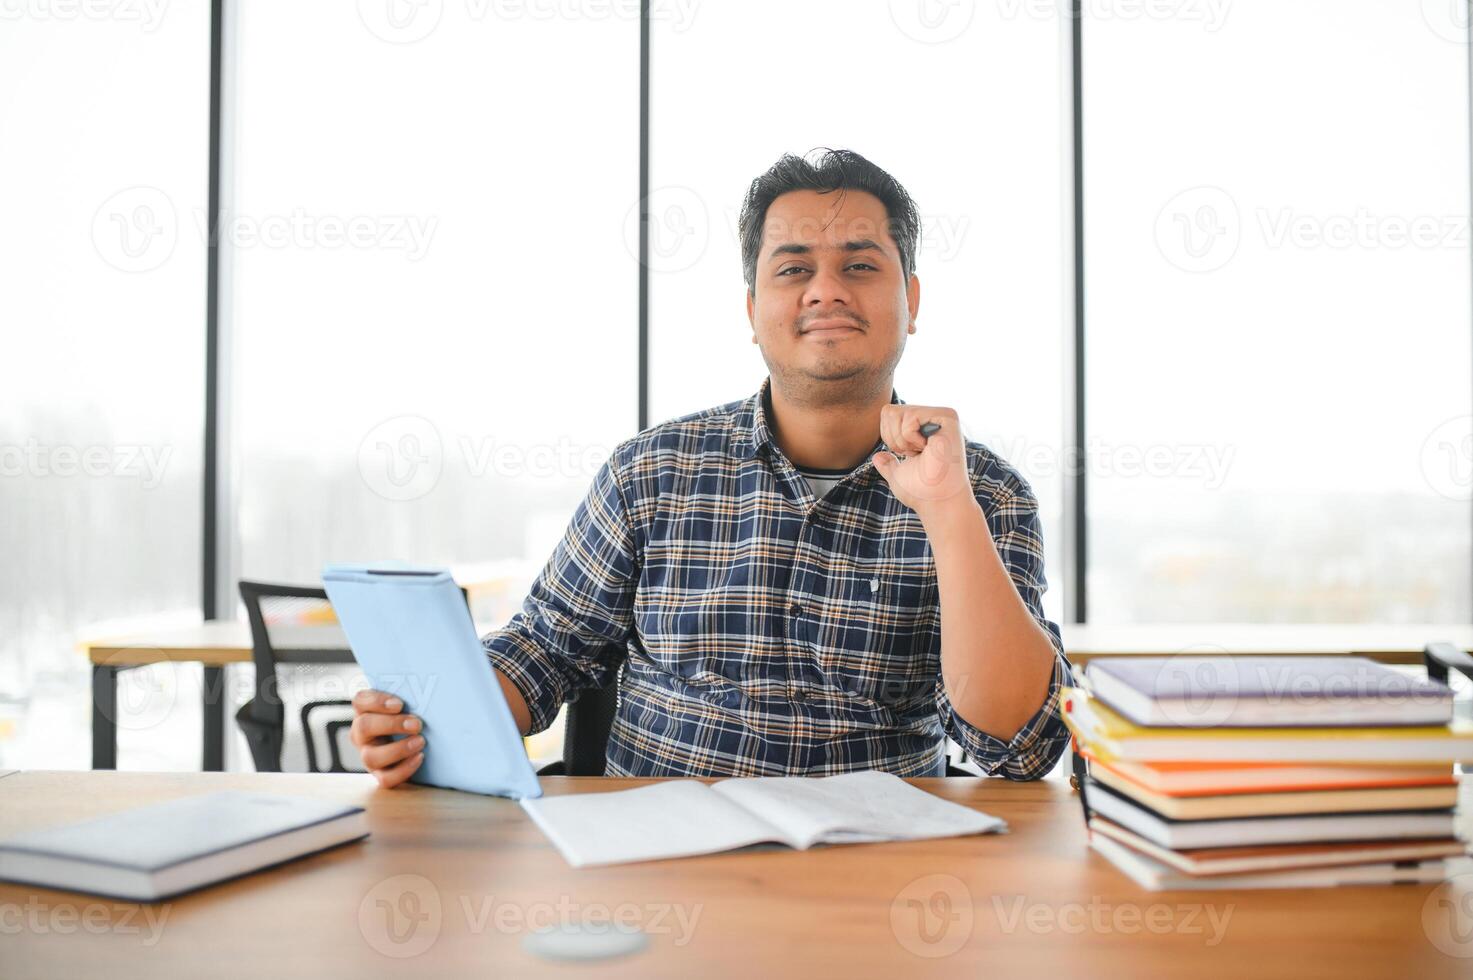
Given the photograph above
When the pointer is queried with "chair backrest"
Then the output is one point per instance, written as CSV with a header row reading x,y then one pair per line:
x,y
586,738
289,624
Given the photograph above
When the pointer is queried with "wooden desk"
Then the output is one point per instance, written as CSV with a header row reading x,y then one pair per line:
x,y
467,876
216,645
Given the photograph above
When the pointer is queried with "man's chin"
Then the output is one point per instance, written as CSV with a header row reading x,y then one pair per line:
x,y
835,372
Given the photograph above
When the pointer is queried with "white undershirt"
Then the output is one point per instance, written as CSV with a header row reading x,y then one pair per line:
x,y
821,483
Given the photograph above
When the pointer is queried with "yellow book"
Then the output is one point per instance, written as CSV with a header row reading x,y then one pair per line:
x,y
1111,736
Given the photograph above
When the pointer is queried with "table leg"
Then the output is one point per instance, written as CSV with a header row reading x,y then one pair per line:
x,y
104,716
214,719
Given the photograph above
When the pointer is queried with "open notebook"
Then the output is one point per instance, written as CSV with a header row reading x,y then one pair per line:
x,y
684,817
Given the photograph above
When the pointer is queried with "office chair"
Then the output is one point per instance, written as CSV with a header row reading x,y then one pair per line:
x,y
262,718
1441,659
586,735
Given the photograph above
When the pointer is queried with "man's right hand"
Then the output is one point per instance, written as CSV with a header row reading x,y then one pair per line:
x,y
376,716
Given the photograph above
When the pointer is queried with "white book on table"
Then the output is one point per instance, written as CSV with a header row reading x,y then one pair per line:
x,y
148,853
685,817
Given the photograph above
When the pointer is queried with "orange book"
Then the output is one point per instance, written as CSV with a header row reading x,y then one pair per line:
x,y
1225,778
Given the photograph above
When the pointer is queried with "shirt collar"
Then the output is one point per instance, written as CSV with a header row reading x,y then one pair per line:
x,y
750,431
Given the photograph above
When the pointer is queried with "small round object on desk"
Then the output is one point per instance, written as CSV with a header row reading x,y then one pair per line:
x,y
575,941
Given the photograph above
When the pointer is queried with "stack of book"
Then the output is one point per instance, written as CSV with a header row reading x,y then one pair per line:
x,y
1262,772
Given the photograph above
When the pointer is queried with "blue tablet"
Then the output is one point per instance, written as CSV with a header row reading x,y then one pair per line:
x,y
413,636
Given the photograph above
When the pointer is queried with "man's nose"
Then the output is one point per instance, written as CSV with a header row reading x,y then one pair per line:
x,y
826,287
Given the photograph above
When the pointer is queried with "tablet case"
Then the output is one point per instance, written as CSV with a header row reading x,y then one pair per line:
x,y
413,636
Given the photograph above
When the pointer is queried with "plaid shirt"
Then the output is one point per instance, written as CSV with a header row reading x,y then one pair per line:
x,y
758,631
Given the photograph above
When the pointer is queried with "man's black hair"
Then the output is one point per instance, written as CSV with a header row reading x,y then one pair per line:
x,y
833,170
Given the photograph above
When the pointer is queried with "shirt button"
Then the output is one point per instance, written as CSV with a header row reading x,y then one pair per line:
x,y
795,609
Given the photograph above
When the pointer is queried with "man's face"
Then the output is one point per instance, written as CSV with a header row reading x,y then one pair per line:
x,y
832,307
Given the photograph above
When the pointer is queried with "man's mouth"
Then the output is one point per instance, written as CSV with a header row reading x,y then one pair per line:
x,y
831,327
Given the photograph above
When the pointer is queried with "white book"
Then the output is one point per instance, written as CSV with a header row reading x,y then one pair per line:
x,y
1154,876
685,817
157,851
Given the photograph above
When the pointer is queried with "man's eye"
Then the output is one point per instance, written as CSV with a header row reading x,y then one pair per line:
x,y
852,265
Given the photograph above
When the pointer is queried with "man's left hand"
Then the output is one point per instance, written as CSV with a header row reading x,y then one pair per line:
x,y
934,475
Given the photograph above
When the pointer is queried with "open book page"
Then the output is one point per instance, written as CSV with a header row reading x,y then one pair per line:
x,y
670,819
853,808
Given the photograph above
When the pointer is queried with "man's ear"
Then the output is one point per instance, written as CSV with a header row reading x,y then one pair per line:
x,y
913,299
751,319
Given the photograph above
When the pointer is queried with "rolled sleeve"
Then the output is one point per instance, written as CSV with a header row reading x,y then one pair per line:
x,y
572,631
1037,746
1029,754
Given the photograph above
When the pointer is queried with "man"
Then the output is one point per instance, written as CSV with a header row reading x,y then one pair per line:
x,y
780,591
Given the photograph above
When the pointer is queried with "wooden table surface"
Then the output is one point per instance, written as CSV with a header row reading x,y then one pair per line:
x,y
458,880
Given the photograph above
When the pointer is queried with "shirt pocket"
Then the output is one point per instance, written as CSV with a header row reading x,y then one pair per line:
x,y
881,642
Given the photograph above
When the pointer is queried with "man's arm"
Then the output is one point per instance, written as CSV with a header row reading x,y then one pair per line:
x,y
569,634
996,660
1002,664
572,629
520,713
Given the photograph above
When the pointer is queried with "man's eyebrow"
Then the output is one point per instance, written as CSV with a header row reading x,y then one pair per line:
x,y
797,248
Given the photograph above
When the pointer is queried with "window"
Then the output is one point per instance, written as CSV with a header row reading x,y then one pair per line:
x,y
434,312
1277,313
434,309
102,297
964,109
